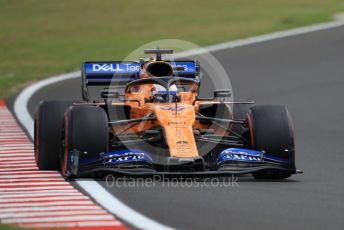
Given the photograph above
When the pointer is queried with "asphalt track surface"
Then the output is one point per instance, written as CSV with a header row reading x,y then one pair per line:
x,y
304,72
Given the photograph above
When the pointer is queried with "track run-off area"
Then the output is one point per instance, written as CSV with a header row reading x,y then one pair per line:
x,y
40,199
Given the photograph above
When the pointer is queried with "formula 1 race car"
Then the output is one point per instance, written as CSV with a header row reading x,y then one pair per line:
x,y
148,119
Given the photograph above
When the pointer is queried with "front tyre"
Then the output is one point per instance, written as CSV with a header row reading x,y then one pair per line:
x,y
270,130
85,130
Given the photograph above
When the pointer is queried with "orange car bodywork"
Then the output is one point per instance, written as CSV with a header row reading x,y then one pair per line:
x,y
178,120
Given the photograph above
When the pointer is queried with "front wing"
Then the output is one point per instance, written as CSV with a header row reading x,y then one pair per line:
x,y
137,163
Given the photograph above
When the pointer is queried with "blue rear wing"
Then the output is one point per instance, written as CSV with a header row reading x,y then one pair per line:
x,y
191,69
104,73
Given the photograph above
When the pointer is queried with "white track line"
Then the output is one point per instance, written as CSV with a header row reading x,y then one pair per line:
x,y
71,225
12,147
40,195
19,145
51,203
20,105
40,214
52,191
13,161
32,172
16,154
102,196
57,219
263,38
61,198
121,210
16,169
40,176
34,184
52,208
8,180
5,165
39,188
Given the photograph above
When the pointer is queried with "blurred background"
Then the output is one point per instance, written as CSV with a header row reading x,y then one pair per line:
x,y
40,38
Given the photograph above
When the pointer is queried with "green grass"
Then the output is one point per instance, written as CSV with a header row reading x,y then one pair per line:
x,y
40,38
8,227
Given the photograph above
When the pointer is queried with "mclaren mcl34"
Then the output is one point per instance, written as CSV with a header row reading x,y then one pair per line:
x,y
147,118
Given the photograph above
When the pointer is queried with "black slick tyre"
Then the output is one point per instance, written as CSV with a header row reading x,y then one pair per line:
x,y
85,130
48,134
270,130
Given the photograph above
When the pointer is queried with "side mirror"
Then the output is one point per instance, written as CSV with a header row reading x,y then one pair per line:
x,y
220,93
109,93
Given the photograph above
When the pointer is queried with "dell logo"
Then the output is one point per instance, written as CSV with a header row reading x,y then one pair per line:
x,y
106,67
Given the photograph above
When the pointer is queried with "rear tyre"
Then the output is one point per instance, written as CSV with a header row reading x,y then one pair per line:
x,y
48,134
271,130
85,130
